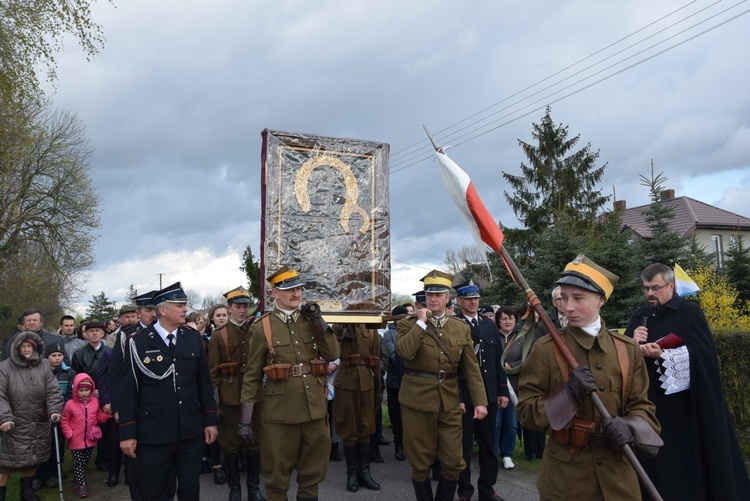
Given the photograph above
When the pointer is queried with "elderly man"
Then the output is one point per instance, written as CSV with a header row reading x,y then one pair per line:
x,y
700,444
434,346
167,410
290,345
582,459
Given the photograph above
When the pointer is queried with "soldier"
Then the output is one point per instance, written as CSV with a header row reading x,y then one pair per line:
x,y
354,405
582,459
291,345
487,348
167,409
227,360
434,346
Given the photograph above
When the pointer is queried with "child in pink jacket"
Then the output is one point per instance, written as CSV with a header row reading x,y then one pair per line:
x,y
80,425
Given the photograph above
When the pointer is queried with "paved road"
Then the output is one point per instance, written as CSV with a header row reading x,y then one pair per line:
x,y
394,478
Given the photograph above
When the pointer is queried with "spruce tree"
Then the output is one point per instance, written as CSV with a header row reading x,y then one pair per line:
x,y
665,245
101,308
554,186
737,270
251,267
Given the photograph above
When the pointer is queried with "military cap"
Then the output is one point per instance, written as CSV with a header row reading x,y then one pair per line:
x,y
285,279
584,273
486,309
467,290
238,295
437,281
420,297
127,308
170,294
145,300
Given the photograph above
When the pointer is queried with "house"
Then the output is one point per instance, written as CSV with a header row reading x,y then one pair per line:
x,y
712,227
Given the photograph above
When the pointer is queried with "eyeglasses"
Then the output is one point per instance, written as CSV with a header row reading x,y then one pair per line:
x,y
655,288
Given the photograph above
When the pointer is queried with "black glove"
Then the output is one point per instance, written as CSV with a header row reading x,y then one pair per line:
x,y
245,432
311,310
618,433
581,383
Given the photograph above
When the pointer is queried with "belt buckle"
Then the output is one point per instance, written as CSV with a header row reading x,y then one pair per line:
x,y
441,376
296,370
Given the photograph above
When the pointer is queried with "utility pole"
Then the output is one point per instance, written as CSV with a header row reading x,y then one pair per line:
x,y
160,275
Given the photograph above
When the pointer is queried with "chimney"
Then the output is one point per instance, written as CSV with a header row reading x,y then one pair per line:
x,y
620,205
667,195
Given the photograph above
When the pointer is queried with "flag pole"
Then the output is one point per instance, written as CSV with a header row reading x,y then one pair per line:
x,y
537,306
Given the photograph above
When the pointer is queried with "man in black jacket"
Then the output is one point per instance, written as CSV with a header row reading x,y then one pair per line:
x,y
700,459
487,349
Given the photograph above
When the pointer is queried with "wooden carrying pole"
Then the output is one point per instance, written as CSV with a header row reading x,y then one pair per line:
x,y
560,342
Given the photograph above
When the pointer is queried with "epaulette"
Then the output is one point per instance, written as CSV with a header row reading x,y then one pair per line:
x,y
137,331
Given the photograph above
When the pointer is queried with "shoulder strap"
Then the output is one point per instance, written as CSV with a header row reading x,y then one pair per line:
x,y
431,331
562,363
223,334
622,359
265,321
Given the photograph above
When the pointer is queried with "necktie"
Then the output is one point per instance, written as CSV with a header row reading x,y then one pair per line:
x,y
473,322
170,337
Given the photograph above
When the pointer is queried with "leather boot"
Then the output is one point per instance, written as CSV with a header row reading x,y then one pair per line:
x,y
2,493
335,456
374,453
446,490
363,471
232,466
253,478
350,454
400,453
422,489
27,491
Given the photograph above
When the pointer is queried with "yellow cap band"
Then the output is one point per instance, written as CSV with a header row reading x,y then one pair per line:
x,y
236,293
283,276
594,275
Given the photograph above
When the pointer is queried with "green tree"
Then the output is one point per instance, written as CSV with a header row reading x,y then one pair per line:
x,y
32,32
101,308
665,245
131,294
554,186
49,207
695,254
737,269
611,248
251,267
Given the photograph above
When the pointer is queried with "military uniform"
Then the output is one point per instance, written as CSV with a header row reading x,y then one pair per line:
x,y
166,403
354,405
294,411
584,465
593,472
429,394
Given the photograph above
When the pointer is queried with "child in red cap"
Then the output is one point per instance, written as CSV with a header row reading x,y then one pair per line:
x,y
80,425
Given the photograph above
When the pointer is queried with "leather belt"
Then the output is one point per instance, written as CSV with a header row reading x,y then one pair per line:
x,y
439,375
298,370
359,361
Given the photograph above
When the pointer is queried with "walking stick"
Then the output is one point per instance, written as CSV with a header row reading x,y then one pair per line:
x,y
55,427
560,342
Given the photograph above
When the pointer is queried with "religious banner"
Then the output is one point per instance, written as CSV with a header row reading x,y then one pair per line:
x,y
325,213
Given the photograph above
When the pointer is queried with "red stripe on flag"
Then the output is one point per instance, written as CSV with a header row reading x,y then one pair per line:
x,y
488,228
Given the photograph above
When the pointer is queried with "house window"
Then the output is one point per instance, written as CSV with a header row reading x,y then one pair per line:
x,y
717,250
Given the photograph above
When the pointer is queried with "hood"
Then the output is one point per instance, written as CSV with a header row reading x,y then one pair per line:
x,y
20,338
77,381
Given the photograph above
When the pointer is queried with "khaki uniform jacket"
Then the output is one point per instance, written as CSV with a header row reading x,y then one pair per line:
x,y
420,351
300,399
589,472
229,386
359,377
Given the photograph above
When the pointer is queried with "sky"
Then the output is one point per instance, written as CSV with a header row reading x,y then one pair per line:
x,y
176,100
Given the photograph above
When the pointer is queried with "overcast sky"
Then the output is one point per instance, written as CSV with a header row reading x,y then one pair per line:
x,y
175,103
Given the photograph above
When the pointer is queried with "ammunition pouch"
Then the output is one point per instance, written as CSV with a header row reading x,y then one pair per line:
x,y
277,372
319,367
577,435
229,368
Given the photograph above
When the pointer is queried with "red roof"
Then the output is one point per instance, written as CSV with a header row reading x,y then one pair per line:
x,y
689,215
